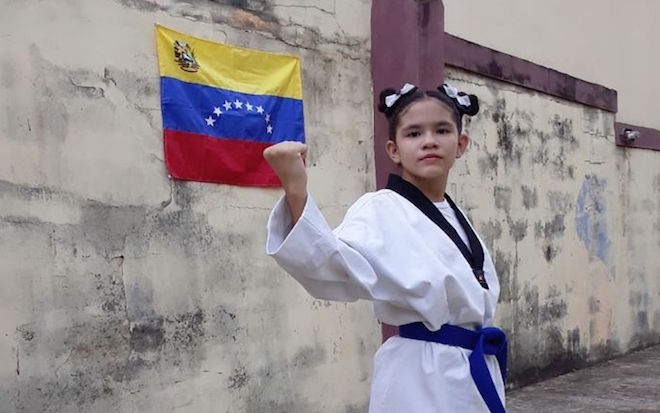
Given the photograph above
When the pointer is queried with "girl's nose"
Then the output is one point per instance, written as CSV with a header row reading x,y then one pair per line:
x,y
429,140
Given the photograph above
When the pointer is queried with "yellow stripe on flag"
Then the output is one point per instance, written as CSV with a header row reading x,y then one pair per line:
x,y
229,67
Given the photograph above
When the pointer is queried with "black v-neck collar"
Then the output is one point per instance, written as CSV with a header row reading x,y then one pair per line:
x,y
475,254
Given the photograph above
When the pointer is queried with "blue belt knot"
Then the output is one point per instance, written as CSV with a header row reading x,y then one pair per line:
x,y
482,342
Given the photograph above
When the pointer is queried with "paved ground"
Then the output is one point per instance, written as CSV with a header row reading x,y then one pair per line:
x,y
628,384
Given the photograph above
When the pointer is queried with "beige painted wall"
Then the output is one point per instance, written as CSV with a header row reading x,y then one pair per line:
x,y
609,42
123,291
572,222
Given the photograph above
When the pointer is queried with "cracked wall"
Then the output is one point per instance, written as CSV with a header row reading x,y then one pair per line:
x,y
572,223
124,291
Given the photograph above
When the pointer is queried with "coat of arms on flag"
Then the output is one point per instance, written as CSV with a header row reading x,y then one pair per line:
x,y
222,106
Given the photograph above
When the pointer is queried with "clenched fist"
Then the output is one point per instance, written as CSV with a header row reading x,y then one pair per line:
x,y
288,161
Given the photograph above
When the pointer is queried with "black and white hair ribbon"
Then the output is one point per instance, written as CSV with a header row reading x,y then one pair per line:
x,y
390,100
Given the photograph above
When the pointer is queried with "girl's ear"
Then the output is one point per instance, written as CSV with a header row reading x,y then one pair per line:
x,y
463,143
392,151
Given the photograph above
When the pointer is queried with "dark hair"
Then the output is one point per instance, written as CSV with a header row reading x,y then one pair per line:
x,y
393,112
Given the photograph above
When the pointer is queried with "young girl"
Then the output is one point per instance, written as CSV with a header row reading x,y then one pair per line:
x,y
410,250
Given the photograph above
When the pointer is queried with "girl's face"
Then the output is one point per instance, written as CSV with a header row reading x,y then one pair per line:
x,y
426,142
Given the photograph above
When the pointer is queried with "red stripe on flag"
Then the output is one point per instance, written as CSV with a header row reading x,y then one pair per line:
x,y
195,157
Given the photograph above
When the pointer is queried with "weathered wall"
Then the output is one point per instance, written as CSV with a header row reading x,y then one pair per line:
x,y
602,41
124,291
572,222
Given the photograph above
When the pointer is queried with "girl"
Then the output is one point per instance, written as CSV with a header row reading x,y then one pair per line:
x,y
410,250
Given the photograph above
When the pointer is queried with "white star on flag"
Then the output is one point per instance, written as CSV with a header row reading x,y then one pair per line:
x,y
267,117
248,107
260,109
238,104
209,121
227,105
217,111
269,129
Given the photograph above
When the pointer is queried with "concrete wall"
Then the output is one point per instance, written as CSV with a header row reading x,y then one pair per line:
x,y
603,41
572,222
123,291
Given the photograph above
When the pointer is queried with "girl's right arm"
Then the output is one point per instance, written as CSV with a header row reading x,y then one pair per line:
x,y
288,161
304,245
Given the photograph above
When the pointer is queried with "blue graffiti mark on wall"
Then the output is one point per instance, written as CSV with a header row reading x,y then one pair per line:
x,y
590,217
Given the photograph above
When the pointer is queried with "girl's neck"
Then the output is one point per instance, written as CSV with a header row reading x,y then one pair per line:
x,y
433,189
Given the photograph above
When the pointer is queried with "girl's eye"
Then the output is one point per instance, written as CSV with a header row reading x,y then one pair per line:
x,y
412,134
443,131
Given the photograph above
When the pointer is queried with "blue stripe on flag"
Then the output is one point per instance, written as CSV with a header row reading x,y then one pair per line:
x,y
214,112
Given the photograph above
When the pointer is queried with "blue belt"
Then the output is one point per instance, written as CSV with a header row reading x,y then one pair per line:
x,y
489,340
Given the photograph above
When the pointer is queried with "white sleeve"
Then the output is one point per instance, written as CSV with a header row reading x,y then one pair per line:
x,y
312,254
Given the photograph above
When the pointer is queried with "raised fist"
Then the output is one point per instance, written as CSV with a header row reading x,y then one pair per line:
x,y
288,161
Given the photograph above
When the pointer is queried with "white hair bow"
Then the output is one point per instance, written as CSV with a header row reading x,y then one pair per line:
x,y
452,92
390,100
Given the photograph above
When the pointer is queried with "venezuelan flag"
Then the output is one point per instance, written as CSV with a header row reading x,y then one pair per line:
x,y
222,106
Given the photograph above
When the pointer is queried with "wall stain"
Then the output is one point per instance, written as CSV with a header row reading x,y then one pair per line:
x,y
563,131
530,197
488,165
188,328
507,277
548,356
238,379
549,232
554,308
111,286
518,230
517,136
106,227
604,350
26,332
573,340
490,232
273,387
309,356
511,153
147,335
95,354
528,307
591,217
502,198
540,348
143,5
646,332
560,202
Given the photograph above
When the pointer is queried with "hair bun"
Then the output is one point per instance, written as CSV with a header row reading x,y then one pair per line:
x,y
473,109
458,98
382,107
